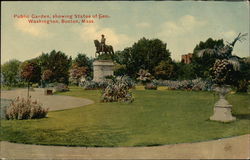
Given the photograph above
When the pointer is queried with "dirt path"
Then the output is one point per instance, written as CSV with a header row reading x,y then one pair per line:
x,y
236,148
53,102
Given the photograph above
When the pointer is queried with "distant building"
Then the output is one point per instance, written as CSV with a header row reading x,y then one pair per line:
x,y
186,58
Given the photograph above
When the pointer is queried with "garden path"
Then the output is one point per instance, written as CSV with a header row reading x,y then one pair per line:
x,y
53,102
228,148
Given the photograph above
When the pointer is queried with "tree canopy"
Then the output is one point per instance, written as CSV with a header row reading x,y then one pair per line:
x,y
204,63
57,62
10,71
144,54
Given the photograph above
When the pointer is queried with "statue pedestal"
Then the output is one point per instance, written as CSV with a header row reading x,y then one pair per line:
x,y
222,109
222,113
102,68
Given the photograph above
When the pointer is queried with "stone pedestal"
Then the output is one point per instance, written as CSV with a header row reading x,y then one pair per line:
x,y
102,68
222,112
222,109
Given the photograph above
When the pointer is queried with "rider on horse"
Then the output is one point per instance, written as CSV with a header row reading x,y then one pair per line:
x,y
102,43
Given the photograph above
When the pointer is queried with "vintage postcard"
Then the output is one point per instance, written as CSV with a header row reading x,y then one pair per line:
x,y
125,80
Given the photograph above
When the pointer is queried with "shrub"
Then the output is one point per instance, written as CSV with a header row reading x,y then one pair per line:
x,y
196,84
127,80
21,108
144,76
117,91
90,85
242,86
223,72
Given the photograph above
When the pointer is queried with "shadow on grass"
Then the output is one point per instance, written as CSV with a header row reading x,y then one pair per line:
x,y
242,116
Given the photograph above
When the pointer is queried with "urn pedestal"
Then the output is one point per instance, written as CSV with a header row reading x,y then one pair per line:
x,y
102,68
222,109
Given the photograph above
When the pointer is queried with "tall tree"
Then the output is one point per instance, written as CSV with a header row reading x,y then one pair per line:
x,y
82,60
58,63
10,71
144,54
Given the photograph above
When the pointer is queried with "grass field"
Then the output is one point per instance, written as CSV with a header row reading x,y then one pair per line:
x,y
154,118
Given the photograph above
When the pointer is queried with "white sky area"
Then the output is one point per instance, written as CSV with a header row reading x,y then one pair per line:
x,y
181,25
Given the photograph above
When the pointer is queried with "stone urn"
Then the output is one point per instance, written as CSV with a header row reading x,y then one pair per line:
x,y
222,109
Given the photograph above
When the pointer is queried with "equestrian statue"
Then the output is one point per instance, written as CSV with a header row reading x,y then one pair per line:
x,y
102,48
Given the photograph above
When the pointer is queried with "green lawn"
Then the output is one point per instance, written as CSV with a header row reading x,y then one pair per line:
x,y
154,118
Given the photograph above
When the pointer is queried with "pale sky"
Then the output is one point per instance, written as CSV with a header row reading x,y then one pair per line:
x,y
181,25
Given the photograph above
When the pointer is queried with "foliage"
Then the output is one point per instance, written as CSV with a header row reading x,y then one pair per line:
x,y
30,71
244,75
47,74
223,72
90,85
104,57
10,73
202,64
76,73
119,69
165,70
144,54
82,60
117,91
58,62
196,84
184,71
21,108
144,76
242,86
226,64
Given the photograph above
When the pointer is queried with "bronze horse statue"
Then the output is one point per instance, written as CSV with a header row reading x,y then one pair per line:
x,y
108,49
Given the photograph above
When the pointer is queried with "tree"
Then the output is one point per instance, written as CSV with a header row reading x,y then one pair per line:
x,y
10,72
202,64
82,60
30,72
165,70
76,73
144,54
57,62
184,71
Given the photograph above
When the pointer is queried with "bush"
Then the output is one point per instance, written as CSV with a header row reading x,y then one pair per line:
x,y
21,108
117,91
242,86
144,76
90,85
222,73
196,84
